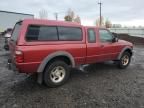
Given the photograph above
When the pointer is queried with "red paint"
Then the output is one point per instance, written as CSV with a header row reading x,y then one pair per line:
x,y
33,53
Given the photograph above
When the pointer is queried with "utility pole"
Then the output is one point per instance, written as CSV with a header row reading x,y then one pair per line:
x,y
56,15
100,3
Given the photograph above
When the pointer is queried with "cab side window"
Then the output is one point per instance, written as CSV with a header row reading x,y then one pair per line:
x,y
105,36
91,36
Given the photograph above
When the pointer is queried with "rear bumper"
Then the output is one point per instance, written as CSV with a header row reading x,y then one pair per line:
x,y
29,68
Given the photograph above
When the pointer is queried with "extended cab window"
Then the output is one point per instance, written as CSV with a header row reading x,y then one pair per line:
x,y
105,36
91,36
70,34
41,33
32,33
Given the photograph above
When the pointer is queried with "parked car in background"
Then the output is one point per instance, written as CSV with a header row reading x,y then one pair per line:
x,y
7,36
52,48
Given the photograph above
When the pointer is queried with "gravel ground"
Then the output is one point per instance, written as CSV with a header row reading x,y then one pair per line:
x,y
103,86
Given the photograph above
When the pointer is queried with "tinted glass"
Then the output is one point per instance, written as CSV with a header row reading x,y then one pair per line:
x,y
16,32
91,36
105,36
33,33
70,34
42,33
48,33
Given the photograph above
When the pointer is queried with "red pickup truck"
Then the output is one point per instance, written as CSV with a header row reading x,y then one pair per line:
x,y
51,48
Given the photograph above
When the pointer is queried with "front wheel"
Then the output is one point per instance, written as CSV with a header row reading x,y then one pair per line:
x,y
124,60
56,74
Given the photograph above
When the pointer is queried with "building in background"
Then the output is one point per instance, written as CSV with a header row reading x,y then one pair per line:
x,y
8,19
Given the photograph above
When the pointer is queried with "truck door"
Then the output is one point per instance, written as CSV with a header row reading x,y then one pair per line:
x,y
108,47
93,46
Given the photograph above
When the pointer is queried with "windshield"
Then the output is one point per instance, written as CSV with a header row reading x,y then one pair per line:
x,y
15,32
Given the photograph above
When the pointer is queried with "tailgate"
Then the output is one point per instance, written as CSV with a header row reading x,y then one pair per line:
x,y
13,40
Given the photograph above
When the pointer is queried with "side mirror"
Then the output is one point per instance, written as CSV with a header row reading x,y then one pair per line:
x,y
115,39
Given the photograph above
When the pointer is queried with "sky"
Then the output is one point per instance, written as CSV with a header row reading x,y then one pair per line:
x,y
125,12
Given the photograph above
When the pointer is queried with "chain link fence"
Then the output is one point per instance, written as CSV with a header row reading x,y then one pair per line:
x,y
137,32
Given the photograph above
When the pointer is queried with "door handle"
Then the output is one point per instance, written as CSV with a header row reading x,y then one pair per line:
x,y
101,46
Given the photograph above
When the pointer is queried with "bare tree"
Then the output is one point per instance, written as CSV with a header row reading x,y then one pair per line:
x,y
108,24
98,22
77,19
43,14
72,17
69,15
104,23
68,18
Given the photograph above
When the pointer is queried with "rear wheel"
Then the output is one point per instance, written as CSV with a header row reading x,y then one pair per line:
x,y
124,60
56,74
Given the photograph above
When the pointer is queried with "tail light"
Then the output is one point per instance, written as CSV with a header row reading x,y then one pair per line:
x,y
19,56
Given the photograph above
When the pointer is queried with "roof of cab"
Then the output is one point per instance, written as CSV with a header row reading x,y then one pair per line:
x,y
95,27
50,22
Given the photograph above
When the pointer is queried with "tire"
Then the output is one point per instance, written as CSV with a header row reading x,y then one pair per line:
x,y
56,74
124,60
